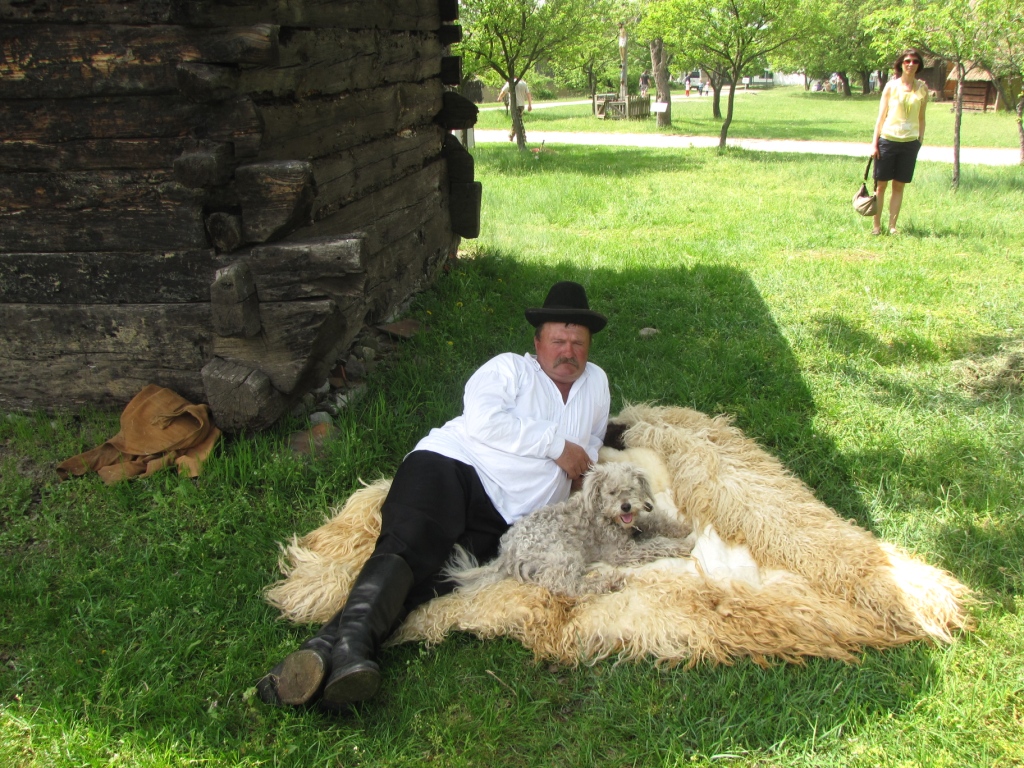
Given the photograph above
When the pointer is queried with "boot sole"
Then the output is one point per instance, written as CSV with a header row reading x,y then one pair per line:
x,y
302,675
352,685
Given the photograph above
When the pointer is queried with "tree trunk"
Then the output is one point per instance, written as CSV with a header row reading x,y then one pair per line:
x,y
659,63
728,114
958,113
517,119
807,82
865,81
716,94
845,80
1020,125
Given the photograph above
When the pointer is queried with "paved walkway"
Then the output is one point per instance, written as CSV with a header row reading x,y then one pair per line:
x,y
968,155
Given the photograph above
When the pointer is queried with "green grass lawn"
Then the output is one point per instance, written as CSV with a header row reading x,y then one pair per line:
x,y
778,113
881,370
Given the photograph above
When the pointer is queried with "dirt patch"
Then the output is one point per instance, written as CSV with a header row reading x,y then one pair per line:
x,y
999,373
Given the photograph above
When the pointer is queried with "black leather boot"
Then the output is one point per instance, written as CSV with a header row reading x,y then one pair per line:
x,y
373,607
376,598
301,676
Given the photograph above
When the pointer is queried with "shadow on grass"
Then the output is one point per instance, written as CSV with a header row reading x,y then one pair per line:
x,y
151,628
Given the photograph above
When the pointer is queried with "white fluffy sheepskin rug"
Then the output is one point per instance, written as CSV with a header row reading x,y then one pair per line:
x,y
775,573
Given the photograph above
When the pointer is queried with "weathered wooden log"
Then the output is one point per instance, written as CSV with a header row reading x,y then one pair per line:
x,y
225,231
63,61
115,277
89,11
331,61
406,266
457,113
234,307
451,70
320,127
120,117
170,227
449,34
297,346
80,155
78,190
389,213
62,355
354,14
237,121
241,396
465,208
206,164
460,162
348,175
276,197
307,269
206,82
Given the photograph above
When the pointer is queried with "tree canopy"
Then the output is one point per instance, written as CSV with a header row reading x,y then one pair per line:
x,y
511,36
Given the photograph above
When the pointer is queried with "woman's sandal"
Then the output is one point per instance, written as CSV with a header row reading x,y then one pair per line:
x,y
876,232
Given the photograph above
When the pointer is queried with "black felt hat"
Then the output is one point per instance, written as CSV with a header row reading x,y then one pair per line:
x,y
566,303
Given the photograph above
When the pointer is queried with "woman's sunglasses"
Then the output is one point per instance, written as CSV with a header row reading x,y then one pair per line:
x,y
912,61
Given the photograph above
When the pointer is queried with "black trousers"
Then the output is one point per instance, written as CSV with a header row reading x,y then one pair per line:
x,y
435,503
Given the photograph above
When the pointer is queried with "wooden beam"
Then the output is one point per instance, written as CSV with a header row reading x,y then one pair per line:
x,y
171,227
276,197
344,177
353,14
73,354
297,346
305,269
112,277
65,61
241,396
89,154
332,61
320,127
234,307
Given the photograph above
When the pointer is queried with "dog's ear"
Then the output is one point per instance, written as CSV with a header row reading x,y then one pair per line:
x,y
643,483
592,487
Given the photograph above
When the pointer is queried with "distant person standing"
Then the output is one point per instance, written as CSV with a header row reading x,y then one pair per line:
x,y
686,84
523,96
645,82
899,132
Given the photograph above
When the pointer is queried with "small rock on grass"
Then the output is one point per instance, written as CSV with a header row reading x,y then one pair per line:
x,y
648,333
320,417
310,440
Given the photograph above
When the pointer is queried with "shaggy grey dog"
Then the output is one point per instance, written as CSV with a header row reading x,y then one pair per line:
x,y
572,548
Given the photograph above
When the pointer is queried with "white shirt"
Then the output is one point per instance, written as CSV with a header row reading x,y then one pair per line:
x,y
514,425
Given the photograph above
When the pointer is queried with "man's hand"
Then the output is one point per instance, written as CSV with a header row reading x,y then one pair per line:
x,y
574,461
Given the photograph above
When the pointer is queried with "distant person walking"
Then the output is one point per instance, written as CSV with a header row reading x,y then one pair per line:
x,y
899,132
686,84
645,82
523,96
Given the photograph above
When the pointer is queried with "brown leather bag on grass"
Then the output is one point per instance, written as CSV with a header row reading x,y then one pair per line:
x,y
159,429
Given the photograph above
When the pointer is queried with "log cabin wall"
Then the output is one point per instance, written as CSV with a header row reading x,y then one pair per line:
x,y
213,196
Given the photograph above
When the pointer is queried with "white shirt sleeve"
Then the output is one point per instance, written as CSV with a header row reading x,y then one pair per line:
x,y
491,417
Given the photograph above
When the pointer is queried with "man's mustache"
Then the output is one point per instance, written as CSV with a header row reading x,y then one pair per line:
x,y
570,360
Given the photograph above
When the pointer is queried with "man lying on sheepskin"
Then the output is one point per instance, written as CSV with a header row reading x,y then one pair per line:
x,y
532,426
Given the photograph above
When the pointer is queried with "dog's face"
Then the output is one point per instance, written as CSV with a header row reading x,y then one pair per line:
x,y
620,493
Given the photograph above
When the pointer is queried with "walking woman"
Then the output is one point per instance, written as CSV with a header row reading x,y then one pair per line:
x,y
899,132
